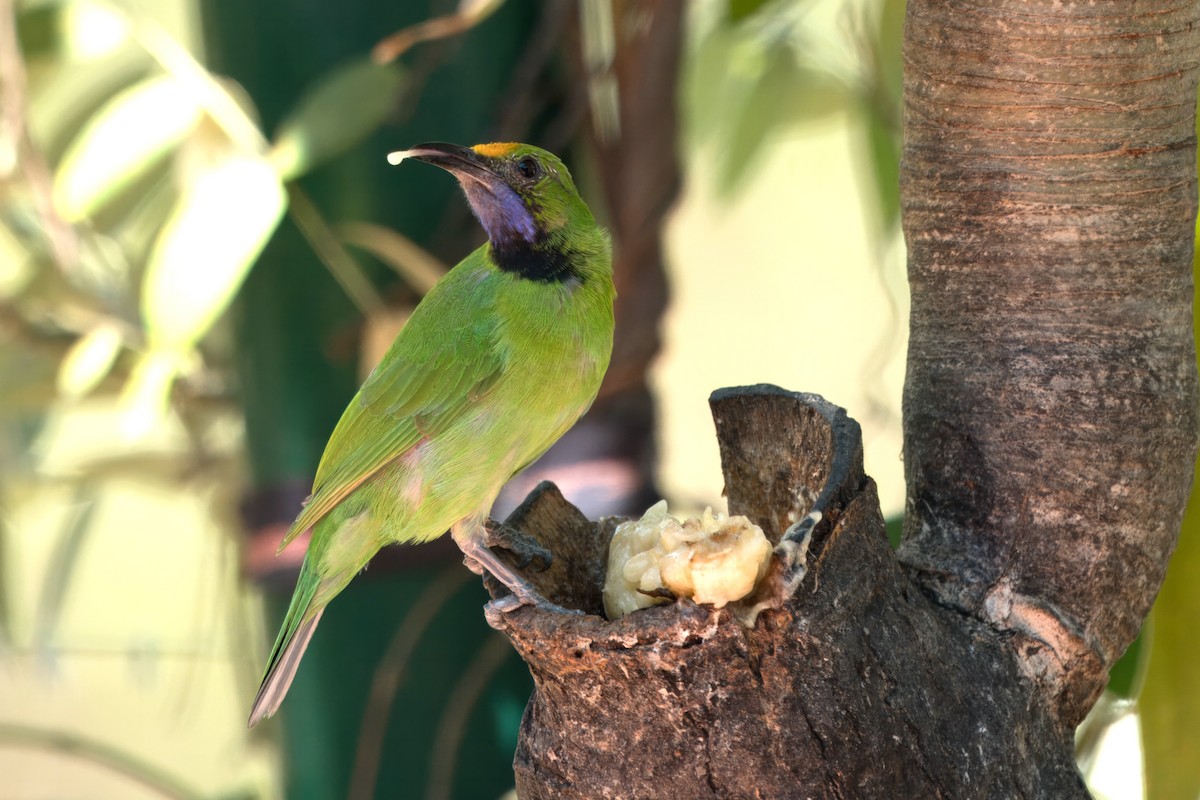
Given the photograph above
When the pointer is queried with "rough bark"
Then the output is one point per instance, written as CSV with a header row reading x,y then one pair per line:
x,y
1049,199
856,685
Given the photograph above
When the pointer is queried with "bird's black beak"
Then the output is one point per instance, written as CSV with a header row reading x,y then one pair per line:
x,y
462,162
501,211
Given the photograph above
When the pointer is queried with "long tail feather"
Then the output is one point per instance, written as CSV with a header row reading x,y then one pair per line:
x,y
294,635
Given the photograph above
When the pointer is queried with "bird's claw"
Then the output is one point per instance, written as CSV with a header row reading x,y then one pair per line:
x,y
508,604
473,565
523,546
496,609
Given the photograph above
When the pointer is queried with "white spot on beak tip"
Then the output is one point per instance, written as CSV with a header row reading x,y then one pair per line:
x,y
395,157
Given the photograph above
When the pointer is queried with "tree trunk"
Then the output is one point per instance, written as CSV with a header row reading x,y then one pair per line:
x,y
1050,431
1049,194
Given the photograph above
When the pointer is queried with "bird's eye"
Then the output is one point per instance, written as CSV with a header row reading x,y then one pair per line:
x,y
529,168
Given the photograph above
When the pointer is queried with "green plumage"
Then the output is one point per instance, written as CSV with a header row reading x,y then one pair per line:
x,y
495,364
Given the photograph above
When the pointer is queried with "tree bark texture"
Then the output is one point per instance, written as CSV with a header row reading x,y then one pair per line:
x,y
853,684
1049,198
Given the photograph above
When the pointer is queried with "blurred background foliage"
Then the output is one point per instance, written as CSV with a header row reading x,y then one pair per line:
x,y
201,253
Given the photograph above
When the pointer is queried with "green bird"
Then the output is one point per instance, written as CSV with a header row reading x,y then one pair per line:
x,y
497,362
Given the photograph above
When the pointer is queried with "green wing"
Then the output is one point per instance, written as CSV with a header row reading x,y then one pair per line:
x,y
444,361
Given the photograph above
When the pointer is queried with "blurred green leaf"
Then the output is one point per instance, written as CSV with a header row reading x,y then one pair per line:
x,y
738,10
57,581
147,393
220,224
884,148
1127,675
16,267
89,360
77,30
345,107
93,30
39,30
889,46
27,376
706,75
224,102
65,96
135,225
232,204
129,134
781,93
895,530
880,100
1170,701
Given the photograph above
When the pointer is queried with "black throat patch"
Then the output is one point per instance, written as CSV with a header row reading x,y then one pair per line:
x,y
537,261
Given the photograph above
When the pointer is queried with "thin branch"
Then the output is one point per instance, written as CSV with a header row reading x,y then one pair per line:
x,y
419,269
17,151
388,675
470,13
63,560
324,242
521,93
452,726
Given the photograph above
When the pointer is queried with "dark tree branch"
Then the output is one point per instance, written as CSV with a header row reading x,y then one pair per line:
x,y
640,174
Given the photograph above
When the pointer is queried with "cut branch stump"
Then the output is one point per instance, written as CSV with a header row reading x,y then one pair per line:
x,y
853,683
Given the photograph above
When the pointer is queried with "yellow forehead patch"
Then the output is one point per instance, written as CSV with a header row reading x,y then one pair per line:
x,y
495,149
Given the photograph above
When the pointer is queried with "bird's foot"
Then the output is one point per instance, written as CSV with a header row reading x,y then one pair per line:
x,y
529,554
473,565
494,611
479,558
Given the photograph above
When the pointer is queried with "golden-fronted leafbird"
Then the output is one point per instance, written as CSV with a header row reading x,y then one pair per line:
x,y
498,360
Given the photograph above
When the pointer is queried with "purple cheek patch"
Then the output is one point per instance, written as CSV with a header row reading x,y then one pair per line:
x,y
501,212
